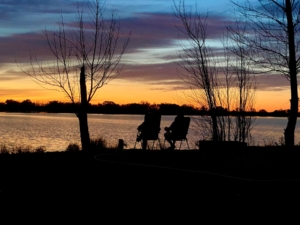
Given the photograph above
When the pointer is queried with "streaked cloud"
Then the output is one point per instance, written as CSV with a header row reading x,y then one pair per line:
x,y
149,58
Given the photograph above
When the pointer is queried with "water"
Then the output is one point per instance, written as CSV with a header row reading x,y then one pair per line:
x,y
56,131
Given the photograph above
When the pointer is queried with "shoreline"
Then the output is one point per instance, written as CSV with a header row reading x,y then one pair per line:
x,y
263,115
145,179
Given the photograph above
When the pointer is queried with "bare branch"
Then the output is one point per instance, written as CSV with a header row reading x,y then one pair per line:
x,y
94,43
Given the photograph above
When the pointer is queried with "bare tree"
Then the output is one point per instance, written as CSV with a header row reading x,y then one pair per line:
x,y
243,81
86,58
196,60
215,86
273,35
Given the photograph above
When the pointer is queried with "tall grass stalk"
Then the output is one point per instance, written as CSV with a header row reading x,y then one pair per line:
x,y
4,149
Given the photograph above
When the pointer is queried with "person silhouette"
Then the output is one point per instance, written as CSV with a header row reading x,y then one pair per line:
x,y
169,135
142,129
146,129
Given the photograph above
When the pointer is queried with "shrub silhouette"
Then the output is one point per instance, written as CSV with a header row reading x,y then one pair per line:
x,y
73,147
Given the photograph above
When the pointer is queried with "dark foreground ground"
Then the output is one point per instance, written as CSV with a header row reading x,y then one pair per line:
x,y
157,186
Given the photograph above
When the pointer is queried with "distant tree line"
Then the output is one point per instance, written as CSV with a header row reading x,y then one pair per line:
x,y
109,107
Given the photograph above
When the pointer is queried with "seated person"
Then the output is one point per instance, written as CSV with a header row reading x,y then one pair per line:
x,y
146,129
169,135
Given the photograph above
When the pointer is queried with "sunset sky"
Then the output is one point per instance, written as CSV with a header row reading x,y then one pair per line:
x,y
149,73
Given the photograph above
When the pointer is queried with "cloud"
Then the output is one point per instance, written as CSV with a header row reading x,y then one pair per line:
x,y
20,46
272,82
149,58
16,9
160,30
167,88
32,15
149,30
148,73
11,75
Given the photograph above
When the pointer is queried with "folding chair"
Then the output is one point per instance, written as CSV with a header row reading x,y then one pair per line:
x,y
181,132
150,130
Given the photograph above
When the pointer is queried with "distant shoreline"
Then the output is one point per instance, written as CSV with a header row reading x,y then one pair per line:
x,y
109,107
165,114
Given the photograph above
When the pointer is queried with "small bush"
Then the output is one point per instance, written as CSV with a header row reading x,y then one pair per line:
x,y
21,149
271,142
40,149
73,147
98,144
4,149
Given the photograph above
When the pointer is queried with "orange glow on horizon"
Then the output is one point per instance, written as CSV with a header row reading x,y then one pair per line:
x,y
269,101
125,92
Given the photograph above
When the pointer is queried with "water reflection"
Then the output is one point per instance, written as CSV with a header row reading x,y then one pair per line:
x,y
56,131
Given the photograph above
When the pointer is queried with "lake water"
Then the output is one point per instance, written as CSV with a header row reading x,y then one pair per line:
x,y
56,131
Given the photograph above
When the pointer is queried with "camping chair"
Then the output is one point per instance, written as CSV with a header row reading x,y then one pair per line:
x,y
182,131
151,130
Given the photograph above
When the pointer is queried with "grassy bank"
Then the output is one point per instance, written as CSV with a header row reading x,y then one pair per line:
x,y
137,182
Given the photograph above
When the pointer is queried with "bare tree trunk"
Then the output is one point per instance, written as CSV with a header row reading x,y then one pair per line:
x,y
289,133
94,43
276,46
213,115
82,114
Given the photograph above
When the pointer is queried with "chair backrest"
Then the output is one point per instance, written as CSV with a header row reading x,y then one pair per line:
x,y
152,126
182,129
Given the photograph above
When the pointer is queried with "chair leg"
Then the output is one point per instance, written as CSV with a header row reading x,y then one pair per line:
x,y
159,143
154,143
187,143
136,139
148,146
145,144
180,145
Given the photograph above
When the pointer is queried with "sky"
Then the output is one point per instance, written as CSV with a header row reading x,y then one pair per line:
x,y
149,72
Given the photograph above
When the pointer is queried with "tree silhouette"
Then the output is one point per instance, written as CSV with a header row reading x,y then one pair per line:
x,y
273,29
213,87
86,58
